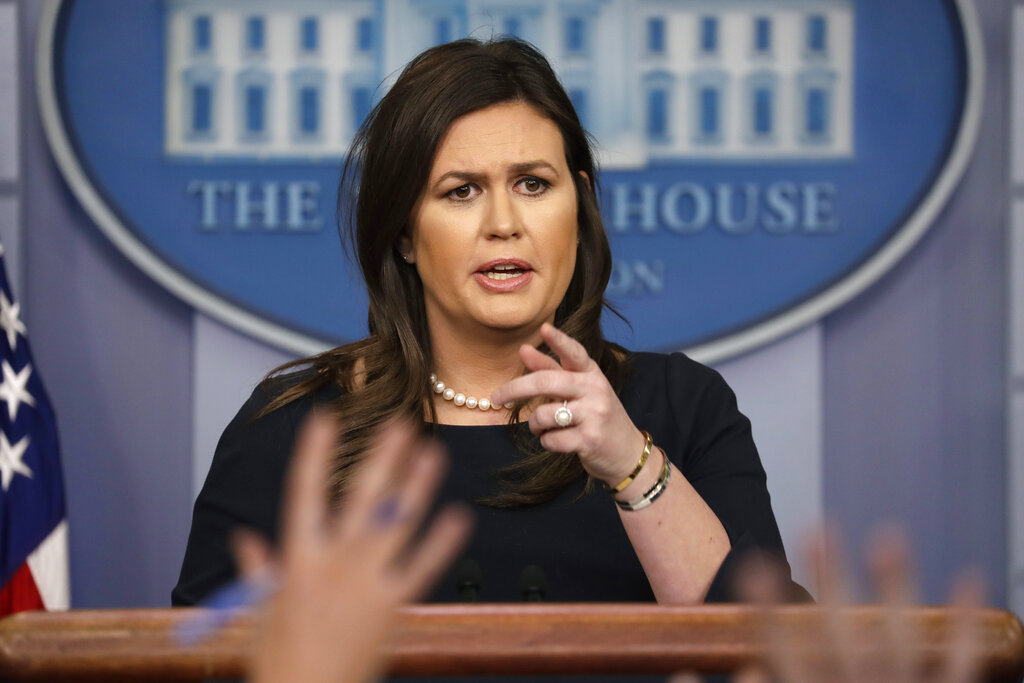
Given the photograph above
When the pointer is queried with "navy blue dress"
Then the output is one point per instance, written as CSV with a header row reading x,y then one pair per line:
x,y
578,544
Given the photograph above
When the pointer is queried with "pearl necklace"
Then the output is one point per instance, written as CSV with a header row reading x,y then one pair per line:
x,y
460,399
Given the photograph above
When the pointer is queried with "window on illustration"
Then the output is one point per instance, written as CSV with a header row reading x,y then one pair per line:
x,y
442,31
575,35
708,34
762,35
657,113
709,112
255,109
816,115
656,35
763,105
202,108
361,104
255,34
309,110
364,34
309,34
817,34
202,33
512,26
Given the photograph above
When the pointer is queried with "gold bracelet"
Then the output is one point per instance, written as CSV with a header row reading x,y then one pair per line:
x,y
651,495
648,444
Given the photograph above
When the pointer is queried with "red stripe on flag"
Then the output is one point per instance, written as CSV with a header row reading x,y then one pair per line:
x,y
20,593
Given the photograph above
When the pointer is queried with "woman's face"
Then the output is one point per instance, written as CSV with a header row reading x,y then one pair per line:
x,y
493,234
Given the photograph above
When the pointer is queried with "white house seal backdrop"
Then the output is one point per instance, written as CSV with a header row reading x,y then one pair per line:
x,y
760,164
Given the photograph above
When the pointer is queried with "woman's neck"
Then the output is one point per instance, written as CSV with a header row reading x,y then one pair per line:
x,y
476,365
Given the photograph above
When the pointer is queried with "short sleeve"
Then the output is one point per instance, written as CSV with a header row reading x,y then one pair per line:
x,y
242,489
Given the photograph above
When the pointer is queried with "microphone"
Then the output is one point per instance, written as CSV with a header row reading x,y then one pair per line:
x,y
469,580
532,584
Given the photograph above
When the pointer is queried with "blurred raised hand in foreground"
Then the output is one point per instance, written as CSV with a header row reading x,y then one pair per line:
x,y
340,576
840,643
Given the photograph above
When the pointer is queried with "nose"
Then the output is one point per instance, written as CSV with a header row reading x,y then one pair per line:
x,y
503,220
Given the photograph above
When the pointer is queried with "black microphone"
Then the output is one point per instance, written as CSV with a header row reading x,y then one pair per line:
x,y
532,584
469,580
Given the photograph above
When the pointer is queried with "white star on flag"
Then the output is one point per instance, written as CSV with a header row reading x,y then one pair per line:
x,y
34,528
10,460
10,320
12,389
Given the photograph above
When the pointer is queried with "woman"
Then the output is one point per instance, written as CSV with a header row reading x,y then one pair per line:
x,y
478,234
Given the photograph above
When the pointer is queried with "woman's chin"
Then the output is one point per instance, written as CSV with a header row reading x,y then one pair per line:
x,y
513,321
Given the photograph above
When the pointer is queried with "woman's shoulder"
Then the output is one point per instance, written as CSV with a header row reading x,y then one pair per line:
x,y
673,384
275,408
243,485
310,384
649,369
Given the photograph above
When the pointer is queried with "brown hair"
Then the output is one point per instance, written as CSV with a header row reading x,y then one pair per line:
x,y
395,148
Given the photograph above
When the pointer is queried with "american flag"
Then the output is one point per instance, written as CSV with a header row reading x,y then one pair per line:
x,y
33,526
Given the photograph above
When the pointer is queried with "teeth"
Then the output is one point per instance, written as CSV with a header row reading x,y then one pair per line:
x,y
504,271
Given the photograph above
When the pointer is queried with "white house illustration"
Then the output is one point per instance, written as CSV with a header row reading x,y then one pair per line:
x,y
652,80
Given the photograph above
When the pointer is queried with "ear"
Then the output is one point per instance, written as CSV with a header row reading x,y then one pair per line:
x,y
586,179
405,249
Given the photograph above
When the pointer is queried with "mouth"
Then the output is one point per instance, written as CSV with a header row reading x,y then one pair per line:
x,y
504,269
504,275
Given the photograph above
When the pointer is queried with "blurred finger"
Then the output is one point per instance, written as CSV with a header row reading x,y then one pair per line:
x,y
966,647
826,556
693,678
572,354
251,551
376,474
446,536
889,565
751,674
844,644
427,469
889,562
761,581
304,496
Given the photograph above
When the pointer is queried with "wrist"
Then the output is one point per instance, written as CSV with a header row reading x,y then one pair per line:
x,y
646,478
620,481
653,493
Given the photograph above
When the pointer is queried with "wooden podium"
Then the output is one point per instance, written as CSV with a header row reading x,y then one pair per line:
x,y
139,645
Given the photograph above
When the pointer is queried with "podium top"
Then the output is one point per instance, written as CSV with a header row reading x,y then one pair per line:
x,y
137,645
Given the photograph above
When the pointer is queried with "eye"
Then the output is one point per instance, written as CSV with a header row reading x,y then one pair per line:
x,y
532,185
462,192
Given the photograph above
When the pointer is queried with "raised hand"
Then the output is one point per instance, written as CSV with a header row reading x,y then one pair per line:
x,y
837,646
342,575
581,412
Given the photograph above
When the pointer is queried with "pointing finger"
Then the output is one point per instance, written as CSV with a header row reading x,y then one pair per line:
x,y
535,360
554,383
574,357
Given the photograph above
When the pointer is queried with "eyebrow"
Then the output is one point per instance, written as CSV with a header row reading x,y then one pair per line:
x,y
514,169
